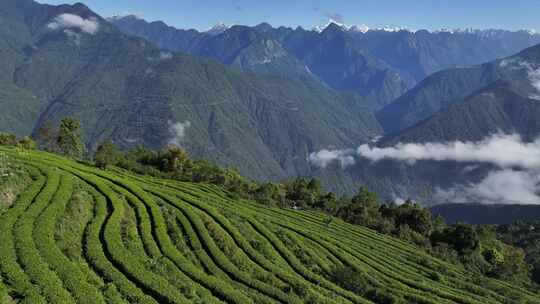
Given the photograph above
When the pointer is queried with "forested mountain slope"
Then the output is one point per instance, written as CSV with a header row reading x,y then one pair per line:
x,y
67,61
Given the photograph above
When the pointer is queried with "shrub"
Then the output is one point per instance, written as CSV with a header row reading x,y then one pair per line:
x,y
8,139
70,139
350,279
106,155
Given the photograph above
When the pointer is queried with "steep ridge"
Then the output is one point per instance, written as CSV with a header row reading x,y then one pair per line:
x,y
445,88
508,103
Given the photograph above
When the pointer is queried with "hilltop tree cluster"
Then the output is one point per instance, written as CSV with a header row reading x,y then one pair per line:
x,y
66,139
12,140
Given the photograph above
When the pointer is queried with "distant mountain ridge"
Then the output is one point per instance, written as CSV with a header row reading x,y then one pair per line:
x,y
380,64
273,102
454,101
466,104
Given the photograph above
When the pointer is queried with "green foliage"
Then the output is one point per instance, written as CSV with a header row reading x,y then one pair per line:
x,y
8,139
364,209
71,275
350,279
27,143
29,255
233,250
69,139
493,256
14,274
107,154
524,254
462,237
410,222
356,282
47,137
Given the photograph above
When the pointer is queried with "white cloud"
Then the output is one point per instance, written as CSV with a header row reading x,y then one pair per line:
x,y
324,158
516,182
71,21
498,187
505,151
178,132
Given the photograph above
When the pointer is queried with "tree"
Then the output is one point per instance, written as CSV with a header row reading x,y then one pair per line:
x,y
270,194
299,192
364,209
69,138
463,238
366,198
535,272
417,218
176,160
106,154
27,143
315,185
47,136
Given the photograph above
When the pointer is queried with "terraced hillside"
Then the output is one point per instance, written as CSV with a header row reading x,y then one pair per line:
x,y
71,233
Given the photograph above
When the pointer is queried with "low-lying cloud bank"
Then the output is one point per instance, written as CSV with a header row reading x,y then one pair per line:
x,y
505,151
502,150
516,181
499,187
71,21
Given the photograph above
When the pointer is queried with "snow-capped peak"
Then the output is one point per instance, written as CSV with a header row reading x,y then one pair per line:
x,y
218,29
321,28
485,33
363,28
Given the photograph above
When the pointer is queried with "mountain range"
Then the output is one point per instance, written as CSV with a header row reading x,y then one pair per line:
x,y
468,103
458,105
379,64
67,61
263,99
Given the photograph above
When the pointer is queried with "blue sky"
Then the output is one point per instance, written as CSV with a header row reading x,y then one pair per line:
x,y
415,14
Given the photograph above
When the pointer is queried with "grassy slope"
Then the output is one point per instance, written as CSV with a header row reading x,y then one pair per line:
x,y
82,235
